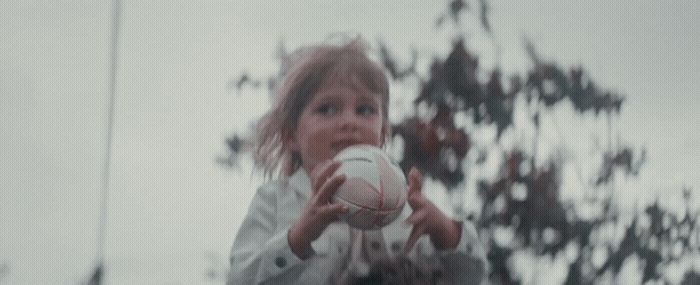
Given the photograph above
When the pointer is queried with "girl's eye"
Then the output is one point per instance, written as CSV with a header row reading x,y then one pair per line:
x,y
327,109
366,110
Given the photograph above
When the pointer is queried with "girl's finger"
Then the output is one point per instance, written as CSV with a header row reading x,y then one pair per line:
x,y
414,181
416,232
416,217
321,173
333,210
328,189
416,201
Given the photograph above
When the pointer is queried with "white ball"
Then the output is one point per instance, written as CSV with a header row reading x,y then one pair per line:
x,y
375,189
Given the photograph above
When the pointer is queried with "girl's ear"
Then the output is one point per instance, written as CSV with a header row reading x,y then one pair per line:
x,y
289,142
385,129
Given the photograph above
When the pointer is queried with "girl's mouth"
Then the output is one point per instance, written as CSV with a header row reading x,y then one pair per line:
x,y
340,145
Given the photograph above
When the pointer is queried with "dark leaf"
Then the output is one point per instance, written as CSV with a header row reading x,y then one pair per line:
x,y
435,90
460,75
498,106
484,16
575,275
656,215
440,20
430,147
456,7
234,143
498,260
515,86
630,243
691,278
242,81
387,59
531,51
652,259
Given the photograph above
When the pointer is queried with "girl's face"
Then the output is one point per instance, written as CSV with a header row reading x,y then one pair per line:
x,y
337,116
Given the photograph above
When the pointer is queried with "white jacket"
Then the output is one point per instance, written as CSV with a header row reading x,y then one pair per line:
x,y
261,253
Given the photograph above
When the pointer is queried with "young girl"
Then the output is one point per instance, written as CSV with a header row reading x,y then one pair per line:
x,y
334,96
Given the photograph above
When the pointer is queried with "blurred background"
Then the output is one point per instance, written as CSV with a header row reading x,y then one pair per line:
x,y
124,126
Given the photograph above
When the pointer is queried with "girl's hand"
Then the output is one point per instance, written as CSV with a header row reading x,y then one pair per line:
x,y
428,219
318,212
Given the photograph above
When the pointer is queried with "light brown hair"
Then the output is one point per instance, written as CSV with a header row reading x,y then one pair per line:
x,y
308,68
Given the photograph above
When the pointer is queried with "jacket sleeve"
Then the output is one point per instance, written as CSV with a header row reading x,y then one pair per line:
x,y
467,262
261,252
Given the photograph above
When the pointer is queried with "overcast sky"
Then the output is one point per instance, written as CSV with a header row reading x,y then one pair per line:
x,y
170,203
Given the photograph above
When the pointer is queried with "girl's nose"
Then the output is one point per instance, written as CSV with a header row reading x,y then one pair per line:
x,y
349,120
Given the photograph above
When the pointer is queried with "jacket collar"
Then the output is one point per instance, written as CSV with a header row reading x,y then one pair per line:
x,y
301,183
